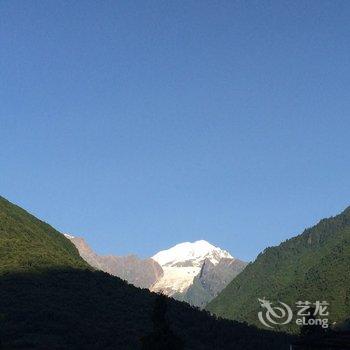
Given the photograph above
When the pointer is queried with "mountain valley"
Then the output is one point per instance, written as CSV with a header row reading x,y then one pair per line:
x,y
50,298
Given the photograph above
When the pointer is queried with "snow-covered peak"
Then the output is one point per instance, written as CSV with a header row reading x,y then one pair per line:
x,y
68,236
190,254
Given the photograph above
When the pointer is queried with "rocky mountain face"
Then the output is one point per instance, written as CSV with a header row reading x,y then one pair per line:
x,y
191,272
141,273
211,280
215,277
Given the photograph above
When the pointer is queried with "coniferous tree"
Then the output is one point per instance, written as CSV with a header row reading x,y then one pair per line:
x,y
162,337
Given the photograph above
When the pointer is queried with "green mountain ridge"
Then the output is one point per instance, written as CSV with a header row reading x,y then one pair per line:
x,y
27,243
314,266
51,299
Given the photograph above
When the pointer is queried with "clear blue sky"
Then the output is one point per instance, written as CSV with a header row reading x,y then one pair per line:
x,y
141,124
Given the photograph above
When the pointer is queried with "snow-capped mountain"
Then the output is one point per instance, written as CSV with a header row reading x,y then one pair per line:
x,y
182,263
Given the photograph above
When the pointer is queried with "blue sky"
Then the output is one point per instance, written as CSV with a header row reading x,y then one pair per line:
x,y
139,124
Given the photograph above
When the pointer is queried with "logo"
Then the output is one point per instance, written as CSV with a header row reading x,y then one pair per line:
x,y
308,314
274,315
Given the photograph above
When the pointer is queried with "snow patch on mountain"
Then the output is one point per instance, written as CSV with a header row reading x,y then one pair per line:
x,y
190,253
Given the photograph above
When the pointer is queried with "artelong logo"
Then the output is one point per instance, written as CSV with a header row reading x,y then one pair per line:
x,y
309,314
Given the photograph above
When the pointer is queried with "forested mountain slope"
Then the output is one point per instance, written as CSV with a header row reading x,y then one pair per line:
x,y
27,243
312,266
